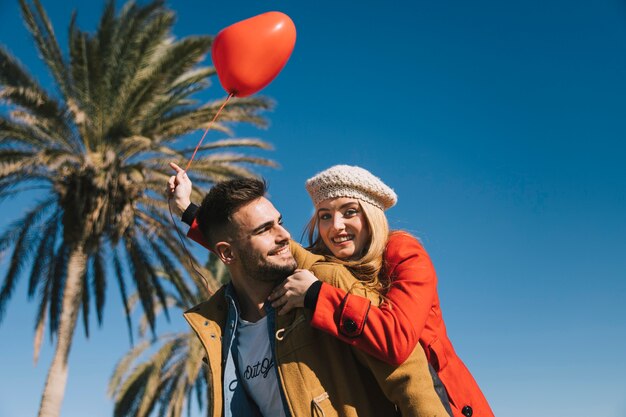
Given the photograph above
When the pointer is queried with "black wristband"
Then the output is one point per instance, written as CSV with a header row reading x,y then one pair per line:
x,y
190,214
312,294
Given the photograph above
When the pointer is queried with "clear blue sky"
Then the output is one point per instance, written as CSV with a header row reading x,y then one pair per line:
x,y
501,125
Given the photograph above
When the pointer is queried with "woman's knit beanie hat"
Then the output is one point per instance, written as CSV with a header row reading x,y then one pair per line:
x,y
353,182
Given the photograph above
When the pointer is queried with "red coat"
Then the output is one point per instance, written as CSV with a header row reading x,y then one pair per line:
x,y
411,314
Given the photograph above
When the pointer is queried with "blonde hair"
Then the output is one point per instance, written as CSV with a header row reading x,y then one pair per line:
x,y
368,266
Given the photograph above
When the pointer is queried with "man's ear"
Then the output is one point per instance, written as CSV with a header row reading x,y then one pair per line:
x,y
224,251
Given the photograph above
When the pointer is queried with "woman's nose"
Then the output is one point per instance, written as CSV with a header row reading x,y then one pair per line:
x,y
338,223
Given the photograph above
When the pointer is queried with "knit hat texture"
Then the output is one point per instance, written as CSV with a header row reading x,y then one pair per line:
x,y
350,181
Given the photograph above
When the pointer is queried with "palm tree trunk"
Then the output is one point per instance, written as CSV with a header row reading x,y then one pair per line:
x,y
54,389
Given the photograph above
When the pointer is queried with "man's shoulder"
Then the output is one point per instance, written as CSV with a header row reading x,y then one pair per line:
x,y
339,276
333,273
325,270
304,258
213,309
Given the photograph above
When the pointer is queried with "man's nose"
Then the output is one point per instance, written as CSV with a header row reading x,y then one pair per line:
x,y
282,234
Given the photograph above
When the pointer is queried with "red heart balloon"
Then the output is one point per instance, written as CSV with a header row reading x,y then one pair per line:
x,y
249,54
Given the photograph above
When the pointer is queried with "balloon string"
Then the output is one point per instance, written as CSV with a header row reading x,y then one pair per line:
x,y
192,263
207,131
169,200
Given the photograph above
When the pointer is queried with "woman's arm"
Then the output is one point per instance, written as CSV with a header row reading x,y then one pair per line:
x,y
391,331
194,232
179,188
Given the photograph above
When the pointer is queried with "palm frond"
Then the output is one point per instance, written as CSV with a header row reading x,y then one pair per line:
x,y
169,63
192,79
135,392
99,283
231,143
40,28
123,366
44,254
205,173
138,265
12,73
40,322
83,70
145,35
86,299
156,282
30,137
119,275
172,377
144,325
33,100
168,378
19,234
58,275
172,273
152,386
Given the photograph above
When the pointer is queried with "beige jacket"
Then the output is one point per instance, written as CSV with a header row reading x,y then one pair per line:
x,y
320,375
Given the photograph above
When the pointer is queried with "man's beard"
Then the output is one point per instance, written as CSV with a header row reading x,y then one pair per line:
x,y
260,268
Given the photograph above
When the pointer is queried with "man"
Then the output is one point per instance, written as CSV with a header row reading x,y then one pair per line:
x,y
261,363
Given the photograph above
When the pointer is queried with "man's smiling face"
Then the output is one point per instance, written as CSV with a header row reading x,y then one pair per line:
x,y
262,243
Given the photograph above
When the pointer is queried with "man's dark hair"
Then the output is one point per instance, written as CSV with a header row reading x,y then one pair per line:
x,y
222,201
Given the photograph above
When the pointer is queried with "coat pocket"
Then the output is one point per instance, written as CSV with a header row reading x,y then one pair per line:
x,y
320,404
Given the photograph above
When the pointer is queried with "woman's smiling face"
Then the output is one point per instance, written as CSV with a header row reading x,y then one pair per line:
x,y
343,227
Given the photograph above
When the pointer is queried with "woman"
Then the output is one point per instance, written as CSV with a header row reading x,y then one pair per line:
x,y
349,226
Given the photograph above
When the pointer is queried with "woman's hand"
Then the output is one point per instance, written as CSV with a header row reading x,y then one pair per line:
x,y
179,188
290,293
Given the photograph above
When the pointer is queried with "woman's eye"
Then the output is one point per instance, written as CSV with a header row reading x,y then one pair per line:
x,y
350,212
324,216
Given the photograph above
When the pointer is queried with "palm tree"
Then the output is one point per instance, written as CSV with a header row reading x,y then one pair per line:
x,y
97,149
174,374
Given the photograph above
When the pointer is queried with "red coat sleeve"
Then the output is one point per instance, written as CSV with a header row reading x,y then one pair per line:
x,y
389,332
195,234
